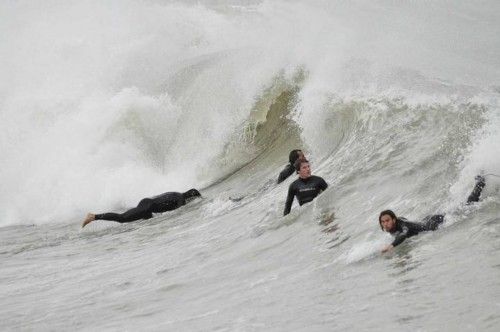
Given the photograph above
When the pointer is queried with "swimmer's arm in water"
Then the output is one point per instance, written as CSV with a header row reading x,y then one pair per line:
x,y
289,200
400,237
387,248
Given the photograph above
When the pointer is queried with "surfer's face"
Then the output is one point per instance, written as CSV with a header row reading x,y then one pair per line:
x,y
305,171
387,222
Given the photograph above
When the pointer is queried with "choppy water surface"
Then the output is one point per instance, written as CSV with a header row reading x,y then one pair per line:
x,y
397,106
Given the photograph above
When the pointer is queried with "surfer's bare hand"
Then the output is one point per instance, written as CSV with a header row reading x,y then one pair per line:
x,y
387,248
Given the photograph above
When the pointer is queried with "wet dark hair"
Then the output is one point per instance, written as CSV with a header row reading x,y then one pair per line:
x,y
191,193
293,156
383,213
298,163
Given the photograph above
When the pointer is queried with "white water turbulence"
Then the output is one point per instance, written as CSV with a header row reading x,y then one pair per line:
x,y
396,105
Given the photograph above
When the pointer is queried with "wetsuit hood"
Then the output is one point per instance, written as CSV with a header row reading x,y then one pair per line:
x,y
293,156
191,193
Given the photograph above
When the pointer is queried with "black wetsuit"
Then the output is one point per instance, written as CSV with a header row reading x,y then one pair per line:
x,y
286,172
478,188
405,229
305,190
146,207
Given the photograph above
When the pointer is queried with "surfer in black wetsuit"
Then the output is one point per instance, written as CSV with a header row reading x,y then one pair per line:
x,y
402,229
290,168
146,207
306,187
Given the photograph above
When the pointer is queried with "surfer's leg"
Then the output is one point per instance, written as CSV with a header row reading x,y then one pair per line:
x,y
478,188
142,211
128,216
432,222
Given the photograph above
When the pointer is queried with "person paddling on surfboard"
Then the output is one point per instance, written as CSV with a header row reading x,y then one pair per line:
x,y
306,187
284,174
402,229
290,168
146,207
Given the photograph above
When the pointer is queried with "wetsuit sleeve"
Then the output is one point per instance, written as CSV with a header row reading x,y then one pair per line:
x,y
323,185
289,200
285,173
401,236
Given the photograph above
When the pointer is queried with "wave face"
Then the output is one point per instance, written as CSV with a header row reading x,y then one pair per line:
x,y
396,105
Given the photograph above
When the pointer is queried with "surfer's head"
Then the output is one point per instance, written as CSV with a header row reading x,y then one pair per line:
x,y
191,194
295,155
387,220
303,168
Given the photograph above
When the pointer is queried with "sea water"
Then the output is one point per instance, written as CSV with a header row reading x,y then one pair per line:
x,y
396,105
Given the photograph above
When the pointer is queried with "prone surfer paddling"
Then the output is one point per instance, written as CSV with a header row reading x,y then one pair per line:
x,y
290,167
306,187
284,174
402,229
165,202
